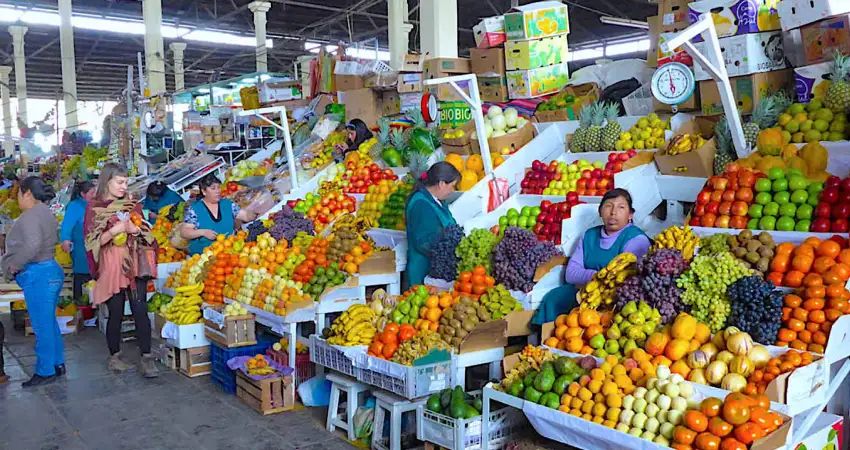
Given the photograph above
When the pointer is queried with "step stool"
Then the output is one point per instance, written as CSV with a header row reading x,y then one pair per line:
x,y
396,406
352,389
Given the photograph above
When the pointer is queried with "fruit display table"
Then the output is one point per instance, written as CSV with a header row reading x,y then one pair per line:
x,y
283,325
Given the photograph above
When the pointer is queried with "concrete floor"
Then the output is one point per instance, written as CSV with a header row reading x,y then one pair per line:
x,y
92,408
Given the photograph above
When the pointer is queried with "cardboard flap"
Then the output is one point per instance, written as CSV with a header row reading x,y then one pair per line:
x,y
519,323
379,263
510,361
297,306
468,129
777,439
485,336
546,267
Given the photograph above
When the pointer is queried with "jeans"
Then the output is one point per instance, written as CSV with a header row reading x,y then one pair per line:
x,y
42,283
2,339
138,304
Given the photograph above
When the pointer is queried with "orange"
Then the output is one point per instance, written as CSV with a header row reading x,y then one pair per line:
x,y
828,248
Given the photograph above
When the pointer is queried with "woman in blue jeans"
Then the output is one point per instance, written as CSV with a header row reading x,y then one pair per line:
x,y
30,252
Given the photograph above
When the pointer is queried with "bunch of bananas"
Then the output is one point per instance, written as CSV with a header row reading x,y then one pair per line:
x,y
684,143
258,365
679,238
354,327
418,346
185,307
601,287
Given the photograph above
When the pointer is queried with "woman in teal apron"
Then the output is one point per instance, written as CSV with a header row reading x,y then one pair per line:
x,y
426,215
210,215
158,196
595,250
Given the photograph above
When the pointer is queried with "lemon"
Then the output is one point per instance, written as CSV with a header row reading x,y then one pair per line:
x,y
120,239
640,145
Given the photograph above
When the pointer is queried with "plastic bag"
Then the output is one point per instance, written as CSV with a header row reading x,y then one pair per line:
x,y
499,192
316,391
363,423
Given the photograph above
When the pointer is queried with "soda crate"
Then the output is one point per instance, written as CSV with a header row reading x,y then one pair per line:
x,y
304,368
229,331
195,362
266,396
407,381
326,355
465,434
222,376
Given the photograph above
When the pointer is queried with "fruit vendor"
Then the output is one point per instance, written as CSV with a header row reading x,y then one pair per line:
x,y
210,215
358,133
121,252
159,196
595,250
71,234
427,214
30,258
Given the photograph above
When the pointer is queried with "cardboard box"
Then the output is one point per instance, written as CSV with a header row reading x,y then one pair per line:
x,y
465,149
361,104
444,67
534,53
585,94
734,17
468,131
537,20
490,32
489,62
279,91
801,389
519,323
382,81
379,263
484,337
493,89
678,54
811,82
410,101
691,104
390,103
796,13
673,15
537,82
654,33
749,90
747,53
409,82
513,141
454,114
697,163
817,42
348,82
412,63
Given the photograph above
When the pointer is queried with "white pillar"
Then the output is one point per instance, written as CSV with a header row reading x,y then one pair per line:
x,y
8,143
260,8
438,28
178,48
69,65
154,48
399,30
18,33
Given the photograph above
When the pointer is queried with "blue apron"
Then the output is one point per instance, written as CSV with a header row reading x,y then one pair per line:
x,y
205,222
418,264
562,299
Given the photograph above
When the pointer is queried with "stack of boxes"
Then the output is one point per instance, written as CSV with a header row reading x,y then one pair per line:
x,y
814,31
487,60
409,86
454,112
366,97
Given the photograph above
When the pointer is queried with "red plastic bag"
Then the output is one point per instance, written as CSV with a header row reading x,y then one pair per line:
x,y
499,192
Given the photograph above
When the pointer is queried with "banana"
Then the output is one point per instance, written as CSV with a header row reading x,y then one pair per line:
x,y
190,288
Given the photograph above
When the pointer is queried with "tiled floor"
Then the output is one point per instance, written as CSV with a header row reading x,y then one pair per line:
x,y
93,408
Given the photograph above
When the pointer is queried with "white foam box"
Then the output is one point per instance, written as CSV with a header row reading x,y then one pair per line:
x,y
747,54
736,17
796,13
811,81
189,336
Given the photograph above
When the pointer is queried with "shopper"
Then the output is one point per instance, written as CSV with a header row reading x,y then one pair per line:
x,y
30,258
210,215
427,214
71,234
358,133
119,255
595,250
159,196
3,377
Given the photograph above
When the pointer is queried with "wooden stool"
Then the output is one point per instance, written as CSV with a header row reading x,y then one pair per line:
x,y
352,390
396,406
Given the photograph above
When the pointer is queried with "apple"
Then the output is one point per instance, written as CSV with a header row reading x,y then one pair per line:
x,y
717,196
840,211
626,416
728,195
767,223
674,416
744,194
762,198
708,219
652,394
640,405
720,183
679,404
803,225
845,184
695,221
788,210
821,225
652,410
762,185
664,401
723,221
832,181
703,197
782,197
738,222
771,209
739,208
840,226
755,211
829,195
785,223
666,429
725,208
639,420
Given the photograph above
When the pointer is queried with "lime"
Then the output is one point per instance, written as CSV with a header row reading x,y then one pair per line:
x,y
775,173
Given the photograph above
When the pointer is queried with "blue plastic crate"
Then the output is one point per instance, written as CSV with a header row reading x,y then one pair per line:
x,y
222,376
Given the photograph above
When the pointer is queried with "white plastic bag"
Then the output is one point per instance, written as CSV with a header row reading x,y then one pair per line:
x,y
316,391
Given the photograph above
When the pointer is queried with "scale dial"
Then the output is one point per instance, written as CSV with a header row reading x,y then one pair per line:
x,y
673,83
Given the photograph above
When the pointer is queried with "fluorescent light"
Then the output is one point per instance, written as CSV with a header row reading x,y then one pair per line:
x,y
359,53
627,47
588,53
642,25
204,91
247,80
265,77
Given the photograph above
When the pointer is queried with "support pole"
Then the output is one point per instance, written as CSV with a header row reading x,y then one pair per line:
x,y
69,65
399,31
8,143
260,8
154,47
178,48
18,33
438,28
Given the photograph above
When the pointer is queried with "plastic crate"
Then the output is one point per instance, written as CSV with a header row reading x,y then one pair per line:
x,y
304,368
407,381
465,434
324,354
222,376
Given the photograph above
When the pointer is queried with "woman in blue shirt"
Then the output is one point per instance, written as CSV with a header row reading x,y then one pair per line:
x,y
159,196
210,215
71,234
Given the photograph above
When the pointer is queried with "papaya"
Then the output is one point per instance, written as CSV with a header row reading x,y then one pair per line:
x,y
815,156
564,365
561,384
516,388
445,398
532,395
458,407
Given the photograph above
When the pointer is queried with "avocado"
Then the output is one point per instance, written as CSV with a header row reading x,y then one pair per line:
x,y
469,412
547,366
564,365
445,399
433,404
458,407
532,395
550,400
561,384
516,388
529,377
478,404
544,380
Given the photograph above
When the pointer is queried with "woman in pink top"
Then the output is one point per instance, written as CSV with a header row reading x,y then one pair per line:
x,y
114,247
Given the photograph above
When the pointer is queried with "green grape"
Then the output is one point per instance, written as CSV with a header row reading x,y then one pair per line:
x,y
704,286
475,249
715,243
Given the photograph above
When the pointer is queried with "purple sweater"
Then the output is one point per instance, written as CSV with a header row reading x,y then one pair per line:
x,y
579,275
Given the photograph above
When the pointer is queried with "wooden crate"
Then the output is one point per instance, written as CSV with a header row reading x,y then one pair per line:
x,y
267,396
237,331
168,356
195,362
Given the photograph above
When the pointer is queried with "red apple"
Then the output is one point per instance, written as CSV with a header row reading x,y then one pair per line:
x,y
699,210
712,208
694,222
613,157
603,183
739,208
738,222
717,196
607,173
832,181
823,210
708,220
703,197
746,179
840,226
728,195
821,225
581,183
591,183
572,198
840,211
722,221
840,239
845,184
631,152
618,167
724,209
844,197
829,195
744,194
720,183
624,157
597,173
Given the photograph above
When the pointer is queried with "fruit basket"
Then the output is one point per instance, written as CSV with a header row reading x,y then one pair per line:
x,y
326,355
465,434
304,368
407,381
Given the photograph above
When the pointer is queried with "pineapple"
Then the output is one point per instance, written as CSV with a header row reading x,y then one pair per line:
x,y
764,116
593,140
838,94
384,131
577,143
611,132
418,163
725,153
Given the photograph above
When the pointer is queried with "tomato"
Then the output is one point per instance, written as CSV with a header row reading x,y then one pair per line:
x,y
748,433
683,435
389,350
707,441
711,406
388,337
736,412
780,263
719,427
731,443
696,421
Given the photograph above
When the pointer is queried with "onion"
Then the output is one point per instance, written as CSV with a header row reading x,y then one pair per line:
x,y
725,357
715,372
710,350
739,343
733,382
759,356
698,359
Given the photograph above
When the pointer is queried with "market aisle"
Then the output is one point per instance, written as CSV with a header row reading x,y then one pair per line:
x,y
94,409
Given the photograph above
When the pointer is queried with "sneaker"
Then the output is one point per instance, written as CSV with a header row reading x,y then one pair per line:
x,y
60,369
149,369
117,365
38,380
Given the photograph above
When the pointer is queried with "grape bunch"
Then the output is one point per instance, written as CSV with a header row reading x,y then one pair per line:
x,y
444,261
715,243
474,250
705,287
288,223
756,308
655,283
517,257
255,229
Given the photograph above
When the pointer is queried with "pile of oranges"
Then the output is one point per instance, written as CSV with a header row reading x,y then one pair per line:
x,y
316,256
808,316
812,263
573,331
787,362
733,423
351,261
216,280
474,283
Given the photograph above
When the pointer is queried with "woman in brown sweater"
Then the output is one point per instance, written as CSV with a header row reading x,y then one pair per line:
x,y
30,251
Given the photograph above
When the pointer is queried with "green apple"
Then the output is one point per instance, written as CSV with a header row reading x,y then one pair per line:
x,y
775,173
805,212
767,223
782,197
526,210
762,185
799,197
771,209
814,187
797,182
504,220
785,224
813,200
794,173
535,211
763,198
803,225
788,210
756,211
523,221
780,184
753,224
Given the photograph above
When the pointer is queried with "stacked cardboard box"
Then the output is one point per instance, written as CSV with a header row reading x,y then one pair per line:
x,y
409,86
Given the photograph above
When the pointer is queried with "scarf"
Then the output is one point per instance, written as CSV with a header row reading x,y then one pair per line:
x,y
102,217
